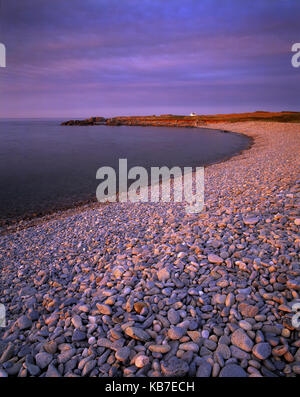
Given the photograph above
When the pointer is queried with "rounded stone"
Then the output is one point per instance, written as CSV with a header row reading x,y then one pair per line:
x,y
232,371
139,306
24,323
296,368
173,316
78,335
50,347
262,350
43,360
123,354
176,333
212,258
174,367
245,325
204,369
137,333
89,366
280,350
189,346
251,220
141,361
104,309
3,374
224,351
163,275
205,334
247,310
76,321
240,339
159,348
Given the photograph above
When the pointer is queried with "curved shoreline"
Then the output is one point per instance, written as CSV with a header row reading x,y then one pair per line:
x,y
238,153
27,220
208,294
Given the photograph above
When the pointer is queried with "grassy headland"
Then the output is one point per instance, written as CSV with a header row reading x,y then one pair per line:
x,y
189,121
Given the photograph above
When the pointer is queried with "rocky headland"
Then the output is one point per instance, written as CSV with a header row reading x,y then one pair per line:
x,y
169,120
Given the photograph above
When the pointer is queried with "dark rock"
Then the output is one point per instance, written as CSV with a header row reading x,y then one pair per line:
x,y
34,370
24,351
175,333
43,359
232,371
8,353
50,347
204,369
14,370
33,315
248,310
24,322
174,367
78,335
66,355
89,366
122,354
224,350
262,350
173,316
52,372
137,333
240,339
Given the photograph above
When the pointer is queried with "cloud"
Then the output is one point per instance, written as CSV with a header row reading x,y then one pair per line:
x,y
170,49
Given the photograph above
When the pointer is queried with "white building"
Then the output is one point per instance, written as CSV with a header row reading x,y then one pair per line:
x,y
193,114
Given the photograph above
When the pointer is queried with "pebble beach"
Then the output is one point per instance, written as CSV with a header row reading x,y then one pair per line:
x,y
145,289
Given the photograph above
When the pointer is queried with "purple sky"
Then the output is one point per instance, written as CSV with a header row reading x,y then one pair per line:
x,y
75,58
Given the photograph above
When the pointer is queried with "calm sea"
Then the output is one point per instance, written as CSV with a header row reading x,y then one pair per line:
x,y
45,166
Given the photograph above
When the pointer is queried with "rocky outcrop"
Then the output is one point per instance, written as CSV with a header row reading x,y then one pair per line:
x,y
90,121
159,121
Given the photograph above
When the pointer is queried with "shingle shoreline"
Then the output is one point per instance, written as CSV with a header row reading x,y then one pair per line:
x,y
145,289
